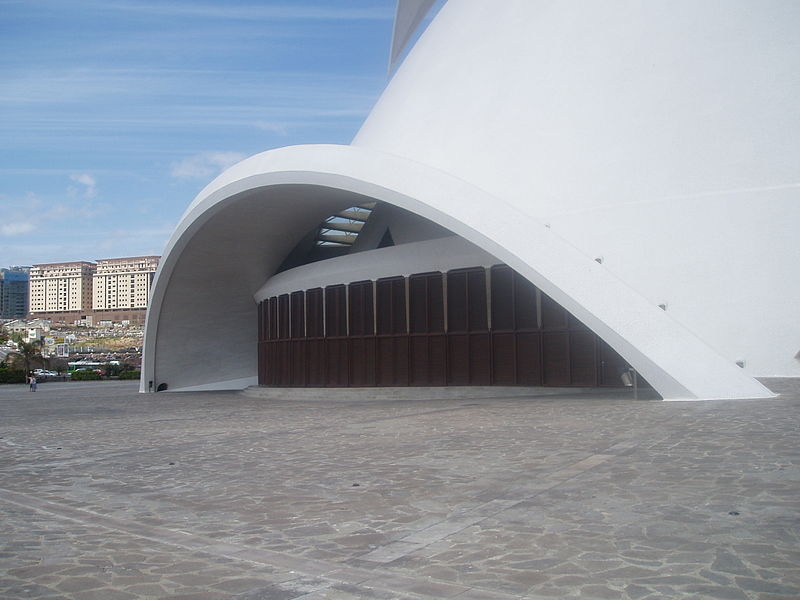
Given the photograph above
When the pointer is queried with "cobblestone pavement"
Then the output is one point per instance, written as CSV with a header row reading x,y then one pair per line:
x,y
113,495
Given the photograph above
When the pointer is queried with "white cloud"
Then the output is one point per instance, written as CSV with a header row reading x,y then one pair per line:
x,y
273,127
205,165
18,228
86,180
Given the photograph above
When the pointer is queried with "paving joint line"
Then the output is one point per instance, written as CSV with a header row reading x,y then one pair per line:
x,y
372,578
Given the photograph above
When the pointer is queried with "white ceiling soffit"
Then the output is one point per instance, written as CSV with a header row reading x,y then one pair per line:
x,y
408,16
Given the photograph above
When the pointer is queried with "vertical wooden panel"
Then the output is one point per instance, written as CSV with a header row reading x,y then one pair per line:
x,y
283,317
476,300
529,359
273,318
262,363
458,359
503,358
437,359
524,304
362,320
457,321
315,356
399,316
335,311
502,298
418,304
392,360
315,323
554,316
479,359
362,361
426,303
611,365
575,324
555,358
297,316
582,358
298,362
336,362
419,360
260,310
391,303
284,363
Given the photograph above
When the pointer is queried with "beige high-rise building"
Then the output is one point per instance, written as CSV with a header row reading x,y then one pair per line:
x,y
123,283
61,287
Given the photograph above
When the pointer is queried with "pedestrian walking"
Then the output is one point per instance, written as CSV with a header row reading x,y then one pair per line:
x,y
32,381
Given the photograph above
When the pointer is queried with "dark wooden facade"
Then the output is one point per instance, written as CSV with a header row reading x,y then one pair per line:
x,y
465,327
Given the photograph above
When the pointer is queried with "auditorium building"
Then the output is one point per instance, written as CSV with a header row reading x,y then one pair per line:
x,y
546,194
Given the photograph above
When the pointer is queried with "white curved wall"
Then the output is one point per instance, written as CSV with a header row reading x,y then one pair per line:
x,y
663,136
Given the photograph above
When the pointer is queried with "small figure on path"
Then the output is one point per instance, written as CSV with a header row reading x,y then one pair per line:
x,y
32,381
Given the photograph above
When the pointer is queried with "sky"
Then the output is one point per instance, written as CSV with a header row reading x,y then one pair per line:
x,y
114,114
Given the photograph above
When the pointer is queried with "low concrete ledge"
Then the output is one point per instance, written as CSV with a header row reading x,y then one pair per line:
x,y
426,393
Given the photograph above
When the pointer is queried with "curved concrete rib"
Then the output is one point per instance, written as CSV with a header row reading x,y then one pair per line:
x,y
229,242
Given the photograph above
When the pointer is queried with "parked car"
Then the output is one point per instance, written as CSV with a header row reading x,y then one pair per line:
x,y
44,373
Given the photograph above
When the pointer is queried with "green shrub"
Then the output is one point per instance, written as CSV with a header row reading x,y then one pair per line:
x,y
85,375
8,375
130,375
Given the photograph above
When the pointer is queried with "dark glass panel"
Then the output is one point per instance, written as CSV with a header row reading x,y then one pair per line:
x,y
456,301
524,304
503,358
476,300
529,359
555,358
418,304
298,315
361,310
391,302
582,358
283,316
335,311
502,298
315,324
273,318
553,314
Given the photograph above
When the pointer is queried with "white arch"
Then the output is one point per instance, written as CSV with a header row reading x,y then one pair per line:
x,y
239,228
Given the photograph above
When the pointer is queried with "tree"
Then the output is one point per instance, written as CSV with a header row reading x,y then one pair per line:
x,y
26,352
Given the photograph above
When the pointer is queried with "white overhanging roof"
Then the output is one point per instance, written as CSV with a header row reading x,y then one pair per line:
x,y
230,240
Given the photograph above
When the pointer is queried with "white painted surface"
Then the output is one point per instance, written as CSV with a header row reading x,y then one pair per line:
x,y
232,384
443,254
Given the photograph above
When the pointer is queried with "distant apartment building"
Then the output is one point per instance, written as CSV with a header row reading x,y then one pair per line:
x,y
61,289
113,289
14,292
123,284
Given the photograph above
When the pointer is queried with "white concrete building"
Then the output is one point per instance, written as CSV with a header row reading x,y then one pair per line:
x,y
635,166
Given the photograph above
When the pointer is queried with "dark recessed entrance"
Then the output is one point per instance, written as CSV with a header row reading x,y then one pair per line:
x,y
471,326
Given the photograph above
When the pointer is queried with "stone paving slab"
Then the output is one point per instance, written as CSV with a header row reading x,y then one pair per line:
x,y
106,493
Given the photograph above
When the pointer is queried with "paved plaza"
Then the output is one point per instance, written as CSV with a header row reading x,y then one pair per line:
x,y
111,495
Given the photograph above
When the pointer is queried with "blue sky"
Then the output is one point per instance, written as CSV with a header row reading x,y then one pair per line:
x,y
115,113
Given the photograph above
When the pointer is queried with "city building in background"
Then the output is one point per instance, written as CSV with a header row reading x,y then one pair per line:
x,y
61,291
14,292
121,288
86,293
